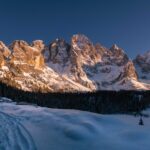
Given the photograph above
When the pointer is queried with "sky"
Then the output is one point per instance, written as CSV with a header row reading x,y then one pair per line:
x,y
123,22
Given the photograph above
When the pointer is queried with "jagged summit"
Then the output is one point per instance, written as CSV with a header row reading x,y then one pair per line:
x,y
76,66
4,50
116,50
142,63
115,47
58,51
38,44
79,41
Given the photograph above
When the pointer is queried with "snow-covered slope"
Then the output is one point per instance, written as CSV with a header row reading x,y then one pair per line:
x,y
68,67
24,127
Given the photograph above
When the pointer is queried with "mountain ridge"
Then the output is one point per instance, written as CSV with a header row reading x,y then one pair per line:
x,y
70,67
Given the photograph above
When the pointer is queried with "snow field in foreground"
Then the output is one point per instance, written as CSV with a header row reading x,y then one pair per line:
x,y
24,127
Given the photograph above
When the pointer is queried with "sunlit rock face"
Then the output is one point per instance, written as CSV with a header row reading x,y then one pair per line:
x,y
129,70
4,50
85,50
61,66
38,44
4,54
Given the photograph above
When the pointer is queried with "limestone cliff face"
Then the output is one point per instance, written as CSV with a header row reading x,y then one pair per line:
x,y
23,54
68,67
129,71
39,45
4,54
2,60
4,50
85,50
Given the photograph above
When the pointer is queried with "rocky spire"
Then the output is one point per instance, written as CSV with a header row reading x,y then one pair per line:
x,y
118,56
4,50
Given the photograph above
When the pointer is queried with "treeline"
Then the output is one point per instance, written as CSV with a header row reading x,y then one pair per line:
x,y
99,102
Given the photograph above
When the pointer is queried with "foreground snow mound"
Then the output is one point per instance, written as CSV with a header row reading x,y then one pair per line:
x,y
31,127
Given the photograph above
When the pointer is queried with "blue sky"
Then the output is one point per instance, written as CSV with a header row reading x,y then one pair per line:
x,y
124,22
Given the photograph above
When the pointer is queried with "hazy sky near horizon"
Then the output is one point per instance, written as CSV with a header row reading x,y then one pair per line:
x,y
124,22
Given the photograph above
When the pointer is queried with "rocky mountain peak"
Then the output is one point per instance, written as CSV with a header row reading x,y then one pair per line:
x,y
80,42
85,50
2,46
116,50
38,44
4,50
115,47
142,63
118,56
58,51
130,71
145,58
100,49
17,44
25,55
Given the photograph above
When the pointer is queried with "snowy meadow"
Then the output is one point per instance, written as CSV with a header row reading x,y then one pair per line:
x,y
26,127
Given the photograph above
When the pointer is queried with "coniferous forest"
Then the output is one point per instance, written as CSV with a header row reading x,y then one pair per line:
x,y
106,102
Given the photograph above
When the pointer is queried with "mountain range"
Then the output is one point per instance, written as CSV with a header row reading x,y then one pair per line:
x,y
71,67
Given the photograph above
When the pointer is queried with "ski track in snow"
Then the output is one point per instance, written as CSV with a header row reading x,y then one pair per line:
x,y
15,135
